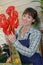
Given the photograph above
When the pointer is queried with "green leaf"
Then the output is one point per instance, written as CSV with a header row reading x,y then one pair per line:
x,y
0,49
35,0
36,25
40,7
41,0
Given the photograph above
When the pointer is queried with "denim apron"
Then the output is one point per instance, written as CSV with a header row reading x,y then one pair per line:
x,y
35,59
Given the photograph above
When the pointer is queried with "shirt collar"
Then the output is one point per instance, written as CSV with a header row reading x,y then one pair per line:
x,y
28,32
31,30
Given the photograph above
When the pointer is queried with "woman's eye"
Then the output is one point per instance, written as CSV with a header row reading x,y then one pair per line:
x,y
24,16
28,17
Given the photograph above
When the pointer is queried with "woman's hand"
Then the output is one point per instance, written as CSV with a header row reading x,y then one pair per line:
x,y
9,60
11,38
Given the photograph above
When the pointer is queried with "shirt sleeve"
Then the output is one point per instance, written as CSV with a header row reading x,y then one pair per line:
x,y
34,42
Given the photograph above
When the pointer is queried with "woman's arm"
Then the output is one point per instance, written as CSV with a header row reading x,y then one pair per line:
x,y
34,42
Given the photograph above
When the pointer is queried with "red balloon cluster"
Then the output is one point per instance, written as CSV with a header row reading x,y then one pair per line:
x,y
11,23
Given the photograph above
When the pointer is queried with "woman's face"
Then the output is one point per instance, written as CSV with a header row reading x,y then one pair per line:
x,y
27,19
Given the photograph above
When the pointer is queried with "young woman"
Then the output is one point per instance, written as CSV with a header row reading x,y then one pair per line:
x,y
28,38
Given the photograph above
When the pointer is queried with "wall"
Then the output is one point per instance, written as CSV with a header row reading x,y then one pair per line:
x,y
19,4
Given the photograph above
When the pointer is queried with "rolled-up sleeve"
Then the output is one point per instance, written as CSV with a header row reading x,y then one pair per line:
x,y
34,42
